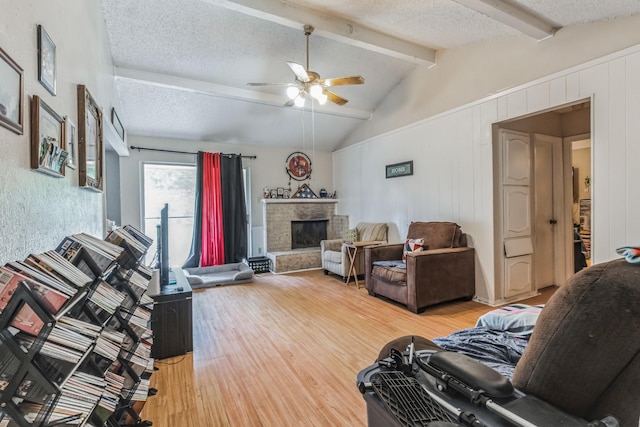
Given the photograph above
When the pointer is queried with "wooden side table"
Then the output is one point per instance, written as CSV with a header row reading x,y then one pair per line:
x,y
352,251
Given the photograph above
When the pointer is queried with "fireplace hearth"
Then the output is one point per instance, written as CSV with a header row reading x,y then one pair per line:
x,y
308,234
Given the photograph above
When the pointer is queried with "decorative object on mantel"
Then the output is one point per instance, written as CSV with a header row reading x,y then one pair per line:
x,y
323,193
304,192
298,166
399,169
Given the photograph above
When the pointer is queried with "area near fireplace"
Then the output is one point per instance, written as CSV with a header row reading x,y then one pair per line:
x,y
293,229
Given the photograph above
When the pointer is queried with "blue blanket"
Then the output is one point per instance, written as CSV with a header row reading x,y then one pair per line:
x,y
397,264
496,349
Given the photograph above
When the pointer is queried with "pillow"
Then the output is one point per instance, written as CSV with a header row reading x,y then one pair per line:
x,y
412,245
517,319
352,235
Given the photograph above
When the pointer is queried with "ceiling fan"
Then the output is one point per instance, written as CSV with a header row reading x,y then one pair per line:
x,y
309,84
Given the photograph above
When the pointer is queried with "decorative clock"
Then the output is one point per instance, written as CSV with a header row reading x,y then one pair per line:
x,y
298,166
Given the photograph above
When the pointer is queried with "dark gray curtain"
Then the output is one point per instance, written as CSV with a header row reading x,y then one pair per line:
x,y
234,212
234,217
196,240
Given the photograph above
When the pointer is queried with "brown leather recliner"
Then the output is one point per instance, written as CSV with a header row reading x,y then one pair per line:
x,y
443,271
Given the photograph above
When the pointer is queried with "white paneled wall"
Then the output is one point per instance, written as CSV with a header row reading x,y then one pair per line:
x,y
453,162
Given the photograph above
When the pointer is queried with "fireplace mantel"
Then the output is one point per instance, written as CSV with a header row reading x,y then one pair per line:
x,y
269,201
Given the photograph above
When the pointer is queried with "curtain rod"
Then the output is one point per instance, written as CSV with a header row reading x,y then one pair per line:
x,y
186,152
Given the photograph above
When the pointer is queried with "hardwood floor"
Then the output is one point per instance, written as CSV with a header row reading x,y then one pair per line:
x,y
285,350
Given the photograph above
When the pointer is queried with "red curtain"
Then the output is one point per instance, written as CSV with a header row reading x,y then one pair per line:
x,y
212,231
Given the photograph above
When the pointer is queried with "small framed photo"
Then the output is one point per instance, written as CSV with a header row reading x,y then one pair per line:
x,y
11,94
72,142
46,61
280,192
274,194
286,194
90,141
48,154
117,124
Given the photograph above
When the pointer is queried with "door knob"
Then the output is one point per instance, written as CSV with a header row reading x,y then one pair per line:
x,y
553,222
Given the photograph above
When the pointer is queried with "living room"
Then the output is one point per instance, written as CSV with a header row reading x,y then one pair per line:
x,y
445,119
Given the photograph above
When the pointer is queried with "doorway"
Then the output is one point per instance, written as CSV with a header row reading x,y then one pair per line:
x,y
537,146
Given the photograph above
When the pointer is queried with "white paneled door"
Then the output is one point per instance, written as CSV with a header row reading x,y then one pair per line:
x,y
516,212
547,214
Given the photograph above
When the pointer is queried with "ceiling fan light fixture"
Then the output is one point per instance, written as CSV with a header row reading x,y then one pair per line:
x,y
322,99
316,91
299,101
292,92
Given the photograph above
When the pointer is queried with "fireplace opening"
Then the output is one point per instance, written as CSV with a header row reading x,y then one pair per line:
x,y
308,234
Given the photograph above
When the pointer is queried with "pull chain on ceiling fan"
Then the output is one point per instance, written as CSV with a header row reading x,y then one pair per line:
x,y
309,84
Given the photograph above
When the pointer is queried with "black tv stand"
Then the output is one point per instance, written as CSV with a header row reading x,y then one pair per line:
x,y
172,318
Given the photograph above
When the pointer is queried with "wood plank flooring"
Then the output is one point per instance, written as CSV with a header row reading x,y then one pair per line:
x,y
285,350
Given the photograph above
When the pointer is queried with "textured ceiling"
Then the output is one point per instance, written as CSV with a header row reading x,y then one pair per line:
x,y
182,65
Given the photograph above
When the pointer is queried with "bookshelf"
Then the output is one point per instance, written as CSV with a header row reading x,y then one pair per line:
x,y
75,347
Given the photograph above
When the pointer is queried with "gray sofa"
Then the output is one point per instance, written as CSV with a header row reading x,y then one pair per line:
x,y
226,274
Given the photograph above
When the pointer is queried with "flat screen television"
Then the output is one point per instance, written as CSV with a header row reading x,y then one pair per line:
x,y
163,245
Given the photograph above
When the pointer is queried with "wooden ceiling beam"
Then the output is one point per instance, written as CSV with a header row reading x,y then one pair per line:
x,y
213,89
332,27
511,16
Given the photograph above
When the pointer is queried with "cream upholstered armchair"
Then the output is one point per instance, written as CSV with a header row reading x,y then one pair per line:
x,y
335,258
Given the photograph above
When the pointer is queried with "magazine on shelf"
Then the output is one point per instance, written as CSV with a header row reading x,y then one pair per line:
x,y
66,268
9,365
27,320
107,298
70,338
89,329
77,251
110,249
45,265
33,390
41,276
52,299
139,235
124,239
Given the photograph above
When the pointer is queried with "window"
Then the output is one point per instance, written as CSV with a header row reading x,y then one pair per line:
x,y
174,184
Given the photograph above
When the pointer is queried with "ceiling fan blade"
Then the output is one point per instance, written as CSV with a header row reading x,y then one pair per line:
x,y
341,81
299,71
334,98
270,84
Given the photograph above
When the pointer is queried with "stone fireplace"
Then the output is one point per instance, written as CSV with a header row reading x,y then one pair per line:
x,y
289,220
308,234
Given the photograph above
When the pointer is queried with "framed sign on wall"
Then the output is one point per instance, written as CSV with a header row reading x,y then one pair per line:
x,y
399,169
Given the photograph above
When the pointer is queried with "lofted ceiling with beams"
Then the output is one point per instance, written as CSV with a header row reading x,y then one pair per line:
x,y
182,66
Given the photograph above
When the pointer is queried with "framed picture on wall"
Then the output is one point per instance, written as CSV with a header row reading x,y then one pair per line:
x,y
46,61
90,142
72,143
11,93
117,124
48,154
